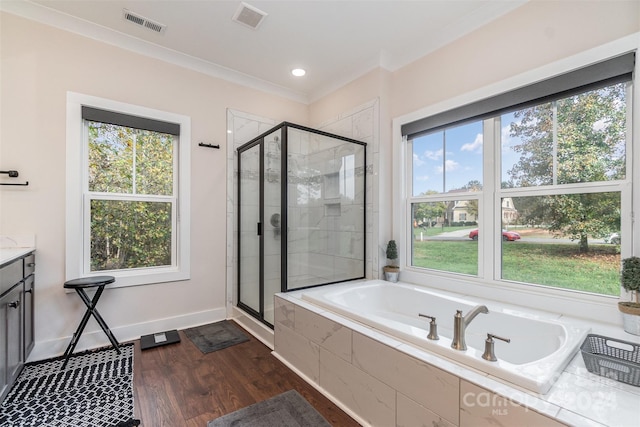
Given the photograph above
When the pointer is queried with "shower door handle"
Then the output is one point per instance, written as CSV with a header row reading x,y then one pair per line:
x,y
259,229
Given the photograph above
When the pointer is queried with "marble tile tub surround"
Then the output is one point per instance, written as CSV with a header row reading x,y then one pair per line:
x,y
383,381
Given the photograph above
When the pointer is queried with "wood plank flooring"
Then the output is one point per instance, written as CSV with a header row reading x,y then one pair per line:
x,y
177,385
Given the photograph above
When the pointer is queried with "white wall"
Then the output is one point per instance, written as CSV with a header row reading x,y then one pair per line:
x,y
538,33
531,36
39,64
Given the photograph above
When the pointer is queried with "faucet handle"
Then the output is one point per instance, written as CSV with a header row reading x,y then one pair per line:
x,y
433,327
490,336
489,353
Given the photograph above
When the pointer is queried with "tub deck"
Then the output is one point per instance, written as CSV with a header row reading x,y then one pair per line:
x,y
539,350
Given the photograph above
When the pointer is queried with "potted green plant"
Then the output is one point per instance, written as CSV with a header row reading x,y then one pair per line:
x,y
630,280
391,270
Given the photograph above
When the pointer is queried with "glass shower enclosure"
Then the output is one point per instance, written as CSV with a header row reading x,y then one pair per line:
x,y
301,214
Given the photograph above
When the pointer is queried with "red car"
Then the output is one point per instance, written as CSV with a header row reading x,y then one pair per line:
x,y
506,235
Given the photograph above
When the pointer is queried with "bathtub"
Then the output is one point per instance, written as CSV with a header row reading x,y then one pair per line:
x,y
539,350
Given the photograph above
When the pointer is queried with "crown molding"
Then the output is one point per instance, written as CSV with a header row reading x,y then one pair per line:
x,y
63,21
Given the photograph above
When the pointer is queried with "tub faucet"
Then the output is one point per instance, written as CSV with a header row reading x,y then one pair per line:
x,y
460,324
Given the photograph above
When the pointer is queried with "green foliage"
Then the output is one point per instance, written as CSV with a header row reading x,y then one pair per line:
x,y
392,250
575,216
129,161
556,265
473,185
630,276
428,211
126,164
472,209
588,133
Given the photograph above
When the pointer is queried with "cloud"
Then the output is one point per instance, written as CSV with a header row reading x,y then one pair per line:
x,y
433,155
421,178
417,161
475,146
450,165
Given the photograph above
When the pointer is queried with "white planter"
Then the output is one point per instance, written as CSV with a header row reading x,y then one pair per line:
x,y
392,276
631,323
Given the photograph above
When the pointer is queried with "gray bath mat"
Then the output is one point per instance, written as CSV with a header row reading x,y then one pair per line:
x,y
288,409
216,336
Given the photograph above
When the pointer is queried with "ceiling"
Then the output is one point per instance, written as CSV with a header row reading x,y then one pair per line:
x,y
336,41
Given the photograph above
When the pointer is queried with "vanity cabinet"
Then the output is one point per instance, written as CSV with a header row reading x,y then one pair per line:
x,y
12,305
28,297
16,318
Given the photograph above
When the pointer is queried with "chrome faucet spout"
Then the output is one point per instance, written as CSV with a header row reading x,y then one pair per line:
x,y
473,313
460,324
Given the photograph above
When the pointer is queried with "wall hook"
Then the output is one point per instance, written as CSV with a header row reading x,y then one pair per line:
x,y
202,144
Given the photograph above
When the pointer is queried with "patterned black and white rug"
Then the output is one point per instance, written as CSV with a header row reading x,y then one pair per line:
x,y
95,389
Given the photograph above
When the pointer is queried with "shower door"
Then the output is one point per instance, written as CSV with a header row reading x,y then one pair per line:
x,y
301,214
259,226
249,295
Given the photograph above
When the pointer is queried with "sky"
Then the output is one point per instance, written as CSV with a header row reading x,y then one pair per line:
x,y
458,152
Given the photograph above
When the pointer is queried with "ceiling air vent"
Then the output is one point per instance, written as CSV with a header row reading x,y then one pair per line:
x,y
143,22
248,15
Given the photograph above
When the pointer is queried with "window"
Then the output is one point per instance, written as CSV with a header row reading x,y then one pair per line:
x,y
446,168
128,195
544,193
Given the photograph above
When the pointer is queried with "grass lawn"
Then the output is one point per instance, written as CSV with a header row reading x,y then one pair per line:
x,y
551,264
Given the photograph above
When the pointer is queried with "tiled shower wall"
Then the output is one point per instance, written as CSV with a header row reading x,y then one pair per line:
x,y
241,128
360,123
363,124
325,201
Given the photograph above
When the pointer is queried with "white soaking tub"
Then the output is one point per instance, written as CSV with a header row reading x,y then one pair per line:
x,y
538,352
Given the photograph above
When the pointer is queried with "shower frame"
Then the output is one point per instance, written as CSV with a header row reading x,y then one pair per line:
x,y
260,141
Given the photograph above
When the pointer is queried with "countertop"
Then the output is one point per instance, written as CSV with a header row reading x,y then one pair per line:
x,y
8,255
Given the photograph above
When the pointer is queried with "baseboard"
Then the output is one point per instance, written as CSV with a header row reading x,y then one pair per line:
x,y
254,326
97,338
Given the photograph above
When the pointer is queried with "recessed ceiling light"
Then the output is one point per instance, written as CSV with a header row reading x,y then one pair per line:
x,y
298,72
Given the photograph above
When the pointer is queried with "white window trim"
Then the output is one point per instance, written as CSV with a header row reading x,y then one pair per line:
x,y
597,307
76,162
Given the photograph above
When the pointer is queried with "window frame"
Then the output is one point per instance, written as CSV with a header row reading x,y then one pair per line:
x,y
600,307
78,198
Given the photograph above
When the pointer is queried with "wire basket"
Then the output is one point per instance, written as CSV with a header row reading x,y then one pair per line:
x,y
612,358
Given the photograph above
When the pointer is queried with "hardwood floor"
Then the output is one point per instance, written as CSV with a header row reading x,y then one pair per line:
x,y
177,385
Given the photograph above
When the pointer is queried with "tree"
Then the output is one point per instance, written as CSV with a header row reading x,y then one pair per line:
x,y
572,140
125,162
428,211
473,185
472,205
